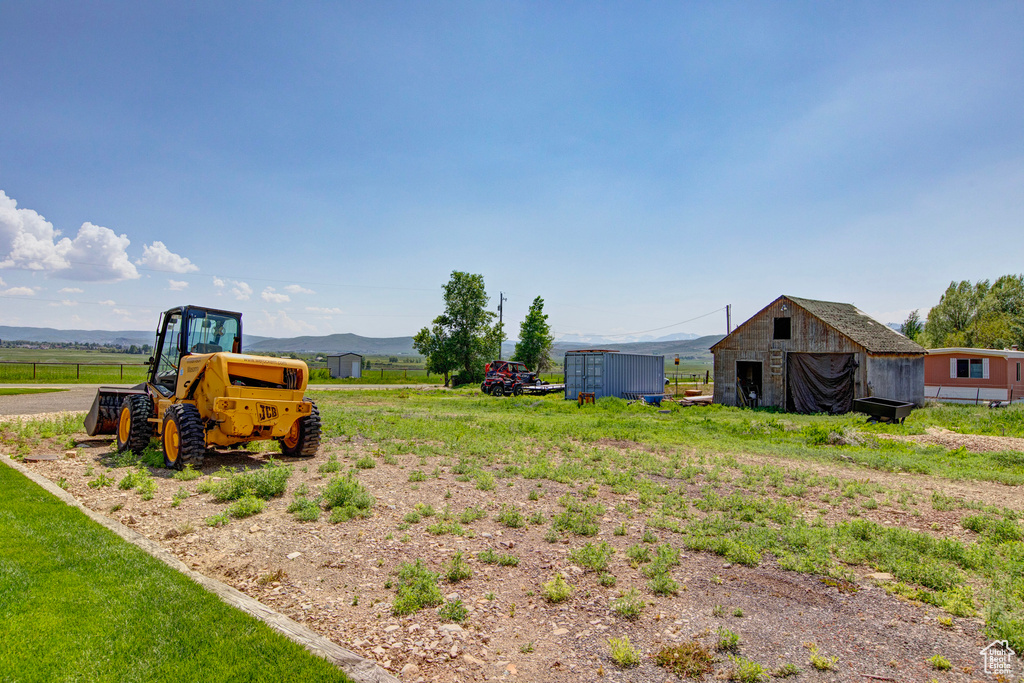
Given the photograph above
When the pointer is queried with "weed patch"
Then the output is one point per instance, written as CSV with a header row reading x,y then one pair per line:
x,y
417,588
347,498
629,605
687,660
457,569
266,482
556,590
622,652
592,557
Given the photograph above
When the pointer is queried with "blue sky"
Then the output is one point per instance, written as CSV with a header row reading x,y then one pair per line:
x,y
323,167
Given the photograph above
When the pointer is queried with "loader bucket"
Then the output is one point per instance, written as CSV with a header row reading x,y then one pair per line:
x,y
102,417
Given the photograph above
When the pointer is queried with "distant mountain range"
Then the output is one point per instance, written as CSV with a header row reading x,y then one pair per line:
x,y
120,337
691,345
335,343
50,335
595,339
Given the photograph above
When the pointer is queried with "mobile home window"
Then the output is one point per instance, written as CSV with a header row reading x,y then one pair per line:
x,y
782,329
970,368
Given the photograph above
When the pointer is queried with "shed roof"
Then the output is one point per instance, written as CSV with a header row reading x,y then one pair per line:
x,y
853,323
858,326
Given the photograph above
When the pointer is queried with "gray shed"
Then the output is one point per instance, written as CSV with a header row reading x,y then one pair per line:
x,y
803,355
345,365
610,373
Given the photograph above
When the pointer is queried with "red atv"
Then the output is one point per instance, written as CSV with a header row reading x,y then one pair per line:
x,y
507,378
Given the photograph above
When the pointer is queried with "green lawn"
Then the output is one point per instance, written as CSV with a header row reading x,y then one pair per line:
x,y
78,603
69,356
10,391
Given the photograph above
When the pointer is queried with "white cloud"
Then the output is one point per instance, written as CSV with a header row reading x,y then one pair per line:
x,y
107,302
324,311
274,297
298,289
158,257
240,290
29,241
281,324
71,290
176,285
97,254
18,291
121,311
2,283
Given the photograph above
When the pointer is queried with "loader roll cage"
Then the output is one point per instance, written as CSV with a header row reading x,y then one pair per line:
x,y
186,330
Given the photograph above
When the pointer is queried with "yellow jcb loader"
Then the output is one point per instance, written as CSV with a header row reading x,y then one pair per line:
x,y
203,392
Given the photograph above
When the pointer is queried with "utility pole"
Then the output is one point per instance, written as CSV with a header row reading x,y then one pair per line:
x,y
501,311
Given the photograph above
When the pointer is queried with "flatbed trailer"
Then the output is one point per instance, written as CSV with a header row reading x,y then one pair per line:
x,y
542,389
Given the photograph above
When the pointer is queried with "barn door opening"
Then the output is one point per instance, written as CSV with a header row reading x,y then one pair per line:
x,y
820,382
748,383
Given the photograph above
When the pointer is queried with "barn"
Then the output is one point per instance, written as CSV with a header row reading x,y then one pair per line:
x,y
345,365
809,356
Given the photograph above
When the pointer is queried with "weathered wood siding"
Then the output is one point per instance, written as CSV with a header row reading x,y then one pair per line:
x,y
725,376
753,341
895,376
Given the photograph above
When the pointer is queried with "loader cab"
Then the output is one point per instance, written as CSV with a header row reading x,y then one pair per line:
x,y
187,330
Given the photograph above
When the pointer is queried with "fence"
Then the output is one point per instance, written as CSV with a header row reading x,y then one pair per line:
x,y
55,371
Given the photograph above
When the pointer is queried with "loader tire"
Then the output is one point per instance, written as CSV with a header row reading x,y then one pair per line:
x,y
134,429
183,437
304,438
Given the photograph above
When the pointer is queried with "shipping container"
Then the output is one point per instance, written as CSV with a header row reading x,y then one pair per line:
x,y
610,373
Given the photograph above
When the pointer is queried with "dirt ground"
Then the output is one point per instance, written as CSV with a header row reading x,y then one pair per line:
x,y
332,578
980,443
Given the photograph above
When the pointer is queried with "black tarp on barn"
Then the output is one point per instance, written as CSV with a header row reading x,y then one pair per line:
x,y
820,382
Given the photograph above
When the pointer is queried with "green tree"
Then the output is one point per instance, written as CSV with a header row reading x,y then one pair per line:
x,y
462,337
912,327
535,339
982,315
437,349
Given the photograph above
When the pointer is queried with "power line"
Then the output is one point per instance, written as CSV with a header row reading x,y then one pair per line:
x,y
236,277
294,311
665,327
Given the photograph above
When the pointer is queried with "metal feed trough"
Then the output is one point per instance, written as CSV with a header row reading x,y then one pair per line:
x,y
883,409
